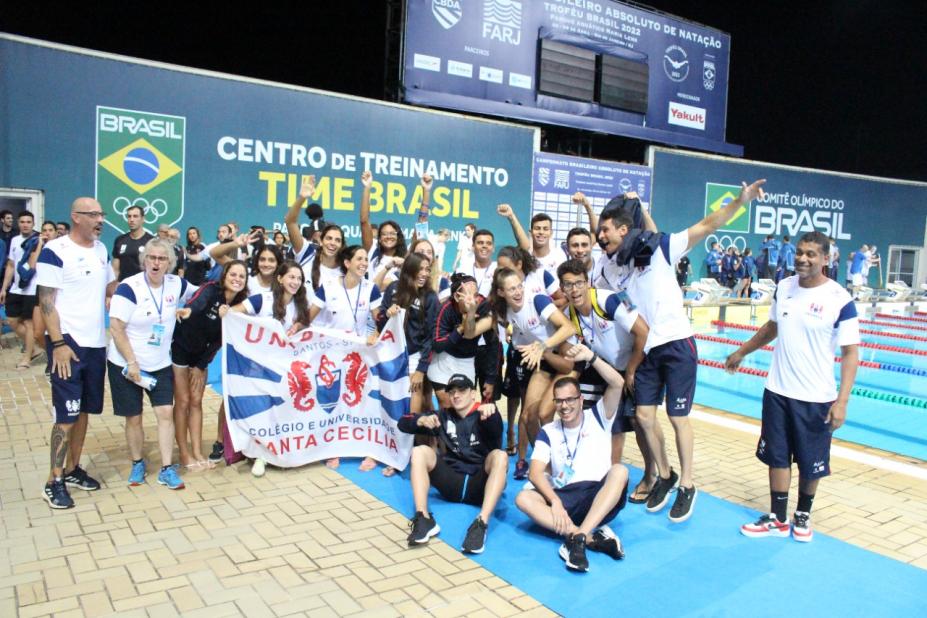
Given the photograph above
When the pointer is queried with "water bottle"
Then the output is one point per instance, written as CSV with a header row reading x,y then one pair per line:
x,y
145,379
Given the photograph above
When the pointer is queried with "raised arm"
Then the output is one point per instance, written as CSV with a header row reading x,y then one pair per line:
x,y
366,228
710,224
580,199
523,241
427,182
292,215
613,379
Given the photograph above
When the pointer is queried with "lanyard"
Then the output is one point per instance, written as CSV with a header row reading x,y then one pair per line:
x,y
158,307
356,300
571,456
585,326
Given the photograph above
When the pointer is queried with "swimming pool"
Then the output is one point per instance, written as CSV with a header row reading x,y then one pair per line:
x,y
886,415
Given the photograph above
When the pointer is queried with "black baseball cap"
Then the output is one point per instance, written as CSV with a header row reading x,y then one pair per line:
x,y
459,381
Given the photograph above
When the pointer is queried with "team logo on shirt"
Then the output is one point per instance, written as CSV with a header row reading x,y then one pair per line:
x,y
140,162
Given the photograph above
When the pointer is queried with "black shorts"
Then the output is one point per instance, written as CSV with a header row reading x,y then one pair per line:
x,y
20,306
482,361
455,486
517,375
796,431
127,396
577,499
182,357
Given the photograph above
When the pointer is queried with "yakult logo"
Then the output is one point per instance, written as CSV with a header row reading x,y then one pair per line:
x,y
687,116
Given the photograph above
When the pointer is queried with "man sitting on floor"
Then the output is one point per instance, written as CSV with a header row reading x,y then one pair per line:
x,y
584,490
472,468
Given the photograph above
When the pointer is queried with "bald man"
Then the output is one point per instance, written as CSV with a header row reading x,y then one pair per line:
x,y
74,276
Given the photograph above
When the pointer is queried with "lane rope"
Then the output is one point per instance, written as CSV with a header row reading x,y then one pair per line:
x,y
863,344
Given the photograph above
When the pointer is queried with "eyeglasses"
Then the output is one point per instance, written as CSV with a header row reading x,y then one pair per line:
x,y
566,286
91,213
566,400
157,258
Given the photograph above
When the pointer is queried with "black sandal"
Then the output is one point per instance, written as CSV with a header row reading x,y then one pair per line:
x,y
641,496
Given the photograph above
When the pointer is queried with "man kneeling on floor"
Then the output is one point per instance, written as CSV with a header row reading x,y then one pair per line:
x,y
584,490
472,468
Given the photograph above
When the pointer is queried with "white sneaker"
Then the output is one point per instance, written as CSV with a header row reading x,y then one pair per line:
x,y
257,468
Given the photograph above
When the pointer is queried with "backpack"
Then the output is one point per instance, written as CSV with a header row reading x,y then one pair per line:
x,y
22,268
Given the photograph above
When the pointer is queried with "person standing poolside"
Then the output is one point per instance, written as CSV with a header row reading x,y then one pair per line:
x,y
72,275
811,315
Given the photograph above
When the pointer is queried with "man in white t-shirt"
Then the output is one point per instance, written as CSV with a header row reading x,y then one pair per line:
x,y
73,275
464,247
574,488
19,296
811,315
645,267
541,245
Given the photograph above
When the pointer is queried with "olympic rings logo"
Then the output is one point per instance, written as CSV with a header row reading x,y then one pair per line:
x,y
725,241
157,208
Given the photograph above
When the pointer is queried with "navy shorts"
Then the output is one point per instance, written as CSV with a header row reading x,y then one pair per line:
x,y
517,375
127,396
627,410
83,391
456,486
670,369
481,362
796,431
577,499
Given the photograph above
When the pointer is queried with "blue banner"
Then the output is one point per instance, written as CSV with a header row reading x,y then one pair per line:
x,y
854,210
244,147
482,56
558,177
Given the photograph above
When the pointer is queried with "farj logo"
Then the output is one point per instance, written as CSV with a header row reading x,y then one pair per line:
x,y
686,116
502,21
717,196
447,12
140,162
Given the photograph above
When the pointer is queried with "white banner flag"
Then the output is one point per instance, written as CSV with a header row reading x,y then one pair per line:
x,y
315,395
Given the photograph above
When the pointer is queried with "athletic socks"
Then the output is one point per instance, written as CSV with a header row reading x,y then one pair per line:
x,y
779,504
804,502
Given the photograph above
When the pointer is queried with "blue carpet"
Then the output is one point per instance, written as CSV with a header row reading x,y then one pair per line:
x,y
701,567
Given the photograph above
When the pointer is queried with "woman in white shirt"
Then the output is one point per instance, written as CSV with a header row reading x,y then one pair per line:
x,y
350,303
142,318
286,303
538,329
264,267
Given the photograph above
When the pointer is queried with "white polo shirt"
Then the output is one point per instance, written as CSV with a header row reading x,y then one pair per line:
x,y
346,309
532,322
262,306
812,323
586,449
150,316
16,254
80,274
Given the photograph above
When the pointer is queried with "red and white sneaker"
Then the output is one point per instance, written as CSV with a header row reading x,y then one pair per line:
x,y
766,525
801,527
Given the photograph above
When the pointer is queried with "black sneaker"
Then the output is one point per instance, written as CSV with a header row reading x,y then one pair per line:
x,y
682,507
659,495
573,552
218,452
604,540
475,541
56,493
423,528
79,478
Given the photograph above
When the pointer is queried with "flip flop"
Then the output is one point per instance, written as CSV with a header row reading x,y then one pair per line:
x,y
389,471
196,465
22,366
511,450
367,464
639,496
333,463
206,464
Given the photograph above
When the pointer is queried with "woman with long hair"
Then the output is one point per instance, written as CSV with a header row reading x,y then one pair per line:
x,y
281,243
197,338
286,303
323,265
350,303
195,271
437,281
536,279
413,294
538,328
389,249
264,267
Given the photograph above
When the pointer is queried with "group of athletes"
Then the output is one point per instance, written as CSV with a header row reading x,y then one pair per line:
x,y
592,348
